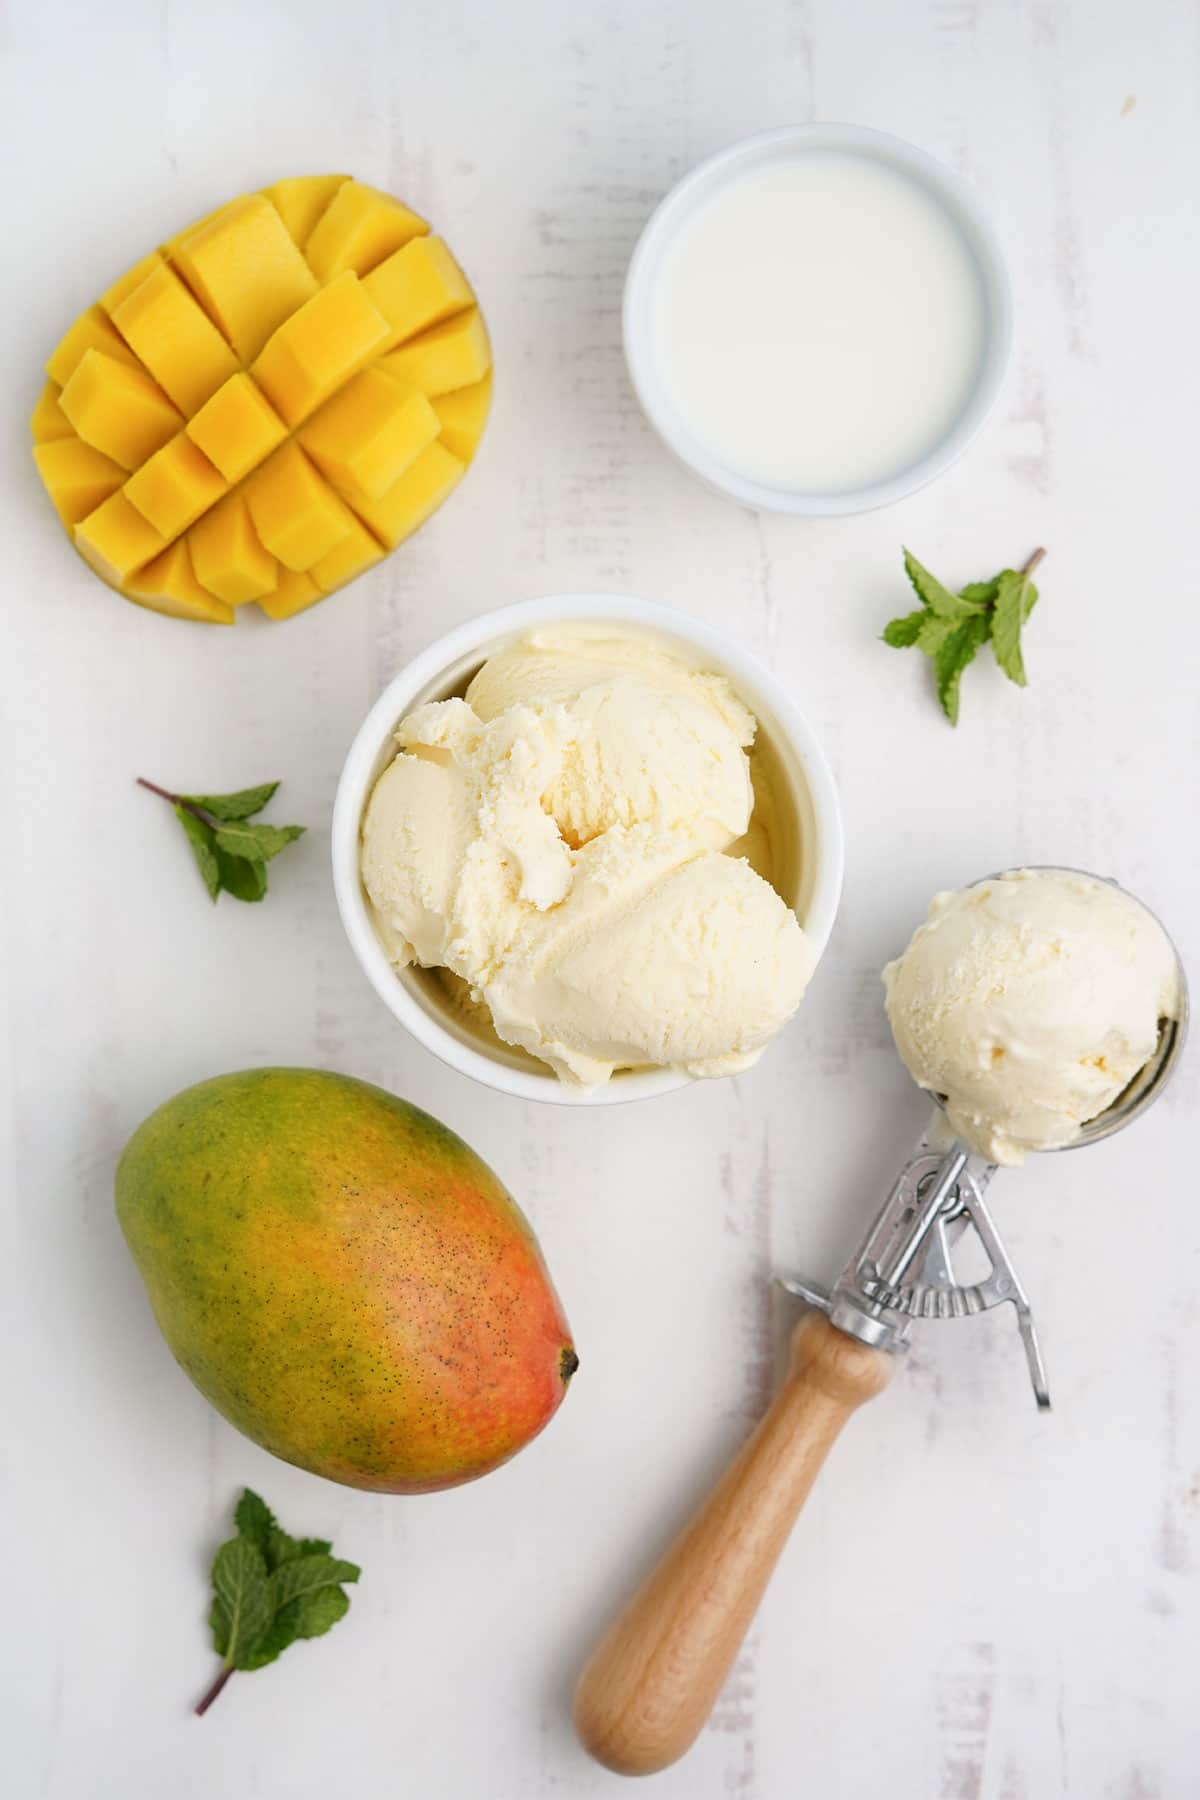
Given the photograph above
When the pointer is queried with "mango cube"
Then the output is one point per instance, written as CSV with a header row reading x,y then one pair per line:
x,y
462,416
320,347
453,355
356,552
168,585
259,408
118,409
367,435
417,287
174,486
228,556
245,270
48,420
237,428
133,278
418,493
358,228
301,200
298,517
175,339
293,594
77,477
117,540
91,331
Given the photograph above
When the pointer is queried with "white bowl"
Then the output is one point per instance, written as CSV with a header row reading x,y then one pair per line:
x,y
812,884
942,185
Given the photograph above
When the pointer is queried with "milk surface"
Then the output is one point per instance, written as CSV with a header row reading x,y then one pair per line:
x,y
818,322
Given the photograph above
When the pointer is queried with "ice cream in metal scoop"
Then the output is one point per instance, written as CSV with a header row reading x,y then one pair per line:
x,y
967,990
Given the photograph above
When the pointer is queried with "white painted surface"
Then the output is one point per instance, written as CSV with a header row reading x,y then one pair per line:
x,y
981,1604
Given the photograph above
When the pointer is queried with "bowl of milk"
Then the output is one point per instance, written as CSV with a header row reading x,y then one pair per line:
x,y
818,319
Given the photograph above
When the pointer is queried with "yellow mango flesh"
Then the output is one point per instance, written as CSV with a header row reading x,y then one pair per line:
x,y
118,410
49,421
293,594
418,493
297,515
226,423
117,540
417,287
368,434
320,347
453,355
175,339
358,229
228,556
168,585
174,486
244,268
77,477
301,200
462,416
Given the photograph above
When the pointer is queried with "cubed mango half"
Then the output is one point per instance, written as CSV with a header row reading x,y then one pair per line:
x,y
264,405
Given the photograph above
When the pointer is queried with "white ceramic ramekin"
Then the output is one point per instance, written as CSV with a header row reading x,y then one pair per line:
x,y
801,780
951,194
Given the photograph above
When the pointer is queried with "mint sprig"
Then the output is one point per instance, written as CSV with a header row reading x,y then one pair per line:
x,y
270,1589
951,628
231,854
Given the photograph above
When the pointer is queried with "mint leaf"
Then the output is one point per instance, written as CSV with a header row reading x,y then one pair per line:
x,y
257,842
255,1522
231,854
955,654
242,877
937,598
242,805
269,1589
243,1605
203,841
951,628
1013,606
306,1574
902,633
281,1548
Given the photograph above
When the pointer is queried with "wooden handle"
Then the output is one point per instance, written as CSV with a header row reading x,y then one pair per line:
x,y
652,1681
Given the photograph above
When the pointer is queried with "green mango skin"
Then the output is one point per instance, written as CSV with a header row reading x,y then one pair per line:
x,y
344,1279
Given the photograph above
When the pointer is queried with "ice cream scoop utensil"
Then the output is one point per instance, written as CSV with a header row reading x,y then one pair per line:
x,y
652,1681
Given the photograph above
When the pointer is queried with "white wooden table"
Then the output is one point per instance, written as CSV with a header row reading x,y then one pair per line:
x,y
981,1603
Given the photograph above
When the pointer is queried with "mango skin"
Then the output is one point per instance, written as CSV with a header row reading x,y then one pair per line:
x,y
344,1279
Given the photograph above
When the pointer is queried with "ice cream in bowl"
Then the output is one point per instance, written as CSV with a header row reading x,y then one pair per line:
x,y
586,850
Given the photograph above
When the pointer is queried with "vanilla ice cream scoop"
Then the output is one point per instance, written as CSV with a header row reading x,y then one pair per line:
x,y
1029,1002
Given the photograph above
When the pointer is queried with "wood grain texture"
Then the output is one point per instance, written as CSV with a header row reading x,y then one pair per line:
x,y
651,1684
1036,1642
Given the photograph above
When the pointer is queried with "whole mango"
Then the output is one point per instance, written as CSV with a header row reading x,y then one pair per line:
x,y
344,1279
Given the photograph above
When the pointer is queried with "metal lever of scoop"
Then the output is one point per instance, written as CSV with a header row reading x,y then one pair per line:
x,y
904,1267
